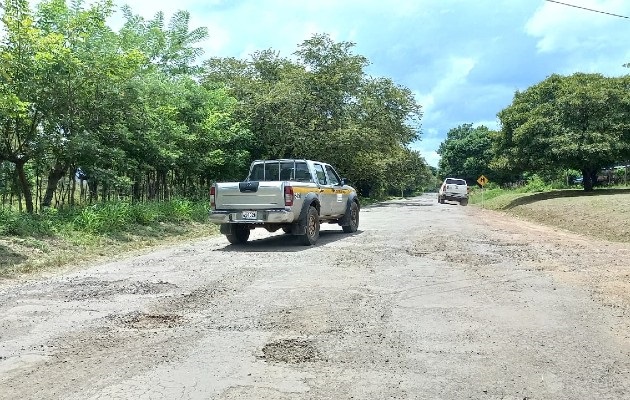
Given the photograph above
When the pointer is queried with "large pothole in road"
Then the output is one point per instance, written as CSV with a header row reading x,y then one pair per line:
x,y
94,289
138,320
291,351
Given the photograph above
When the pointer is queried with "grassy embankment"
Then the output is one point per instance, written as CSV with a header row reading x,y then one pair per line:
x,y
36,243
603,213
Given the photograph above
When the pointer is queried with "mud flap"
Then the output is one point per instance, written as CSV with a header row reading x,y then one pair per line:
x,y
227,229
298,228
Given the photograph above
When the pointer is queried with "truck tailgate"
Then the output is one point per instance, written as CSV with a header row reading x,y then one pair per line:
x,y
459,189
269,195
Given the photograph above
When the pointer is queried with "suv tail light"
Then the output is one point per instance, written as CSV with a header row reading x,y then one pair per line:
x,y
288,196
213,191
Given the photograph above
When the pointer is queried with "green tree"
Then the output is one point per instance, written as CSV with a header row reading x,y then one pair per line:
x,y
466,153
574,122
171,48
406,171
322,106
23,58
83,82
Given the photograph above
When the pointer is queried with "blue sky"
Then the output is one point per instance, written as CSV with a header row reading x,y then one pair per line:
x,y
463,59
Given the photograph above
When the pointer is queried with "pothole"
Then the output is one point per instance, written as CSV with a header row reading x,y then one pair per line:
x,y
138,320
291,351
93,289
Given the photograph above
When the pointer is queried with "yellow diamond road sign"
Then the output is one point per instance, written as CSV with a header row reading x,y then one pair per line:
x,y
482,180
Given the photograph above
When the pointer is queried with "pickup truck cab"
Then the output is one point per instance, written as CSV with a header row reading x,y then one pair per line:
x,y
453,189
290,194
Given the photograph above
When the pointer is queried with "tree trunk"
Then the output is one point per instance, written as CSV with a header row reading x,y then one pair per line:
x,y
589,178
74,188
25,185
136,190
93,189
54,176
165,189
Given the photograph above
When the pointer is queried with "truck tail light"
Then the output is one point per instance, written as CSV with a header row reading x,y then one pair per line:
x,y
288,196
213,192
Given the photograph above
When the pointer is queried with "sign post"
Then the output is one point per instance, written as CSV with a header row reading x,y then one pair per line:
x,y
482,180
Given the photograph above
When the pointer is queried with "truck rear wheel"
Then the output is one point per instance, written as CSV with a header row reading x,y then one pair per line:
x,y
312,227
240,234
354,219
463,202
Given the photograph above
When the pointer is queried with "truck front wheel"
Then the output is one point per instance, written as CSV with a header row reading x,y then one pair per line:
x,y
312,227
239,235
354,219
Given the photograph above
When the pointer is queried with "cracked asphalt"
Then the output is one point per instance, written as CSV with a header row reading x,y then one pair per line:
x,y
425,301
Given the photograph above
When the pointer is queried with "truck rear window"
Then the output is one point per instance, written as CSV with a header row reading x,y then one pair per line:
x,y
280,171
451,181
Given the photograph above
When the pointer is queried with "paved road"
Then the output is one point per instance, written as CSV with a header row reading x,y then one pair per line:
x,y
426,301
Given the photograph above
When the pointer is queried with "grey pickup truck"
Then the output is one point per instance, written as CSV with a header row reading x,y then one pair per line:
x,y
289,194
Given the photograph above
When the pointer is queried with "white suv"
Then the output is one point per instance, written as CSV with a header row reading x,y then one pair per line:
x,y
453,189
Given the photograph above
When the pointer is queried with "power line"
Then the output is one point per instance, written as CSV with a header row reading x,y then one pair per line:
x,y
588,9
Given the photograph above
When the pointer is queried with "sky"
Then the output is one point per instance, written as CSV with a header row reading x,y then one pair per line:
x,y
462,59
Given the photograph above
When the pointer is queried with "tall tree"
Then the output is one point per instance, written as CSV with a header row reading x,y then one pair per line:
x,y
322,106
466,153
23,57
576,121
86,70
171,47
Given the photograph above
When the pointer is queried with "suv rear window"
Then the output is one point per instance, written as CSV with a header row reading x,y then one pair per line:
x,y
451,181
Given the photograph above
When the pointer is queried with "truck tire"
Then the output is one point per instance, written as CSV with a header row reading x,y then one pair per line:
x,y
354,219
463,202
240,234
312,227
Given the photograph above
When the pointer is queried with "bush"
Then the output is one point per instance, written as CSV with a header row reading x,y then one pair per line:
x,y
535,184
102,218
13,223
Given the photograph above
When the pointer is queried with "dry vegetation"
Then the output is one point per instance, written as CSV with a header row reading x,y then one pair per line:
x,y
28,255
603,214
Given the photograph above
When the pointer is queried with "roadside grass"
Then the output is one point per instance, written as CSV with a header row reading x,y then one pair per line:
x,y
55,239
602,213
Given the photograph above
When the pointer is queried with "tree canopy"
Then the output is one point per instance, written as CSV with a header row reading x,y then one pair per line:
x,y
466,153
323,106
578,121
138,114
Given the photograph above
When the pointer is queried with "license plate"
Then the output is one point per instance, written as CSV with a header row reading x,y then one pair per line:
x,y
249,215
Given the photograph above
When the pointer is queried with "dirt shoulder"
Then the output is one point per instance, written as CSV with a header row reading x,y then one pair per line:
x,y
598,265
23,256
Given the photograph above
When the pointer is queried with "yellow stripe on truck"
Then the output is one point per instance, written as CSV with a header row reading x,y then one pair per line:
x,y
297,189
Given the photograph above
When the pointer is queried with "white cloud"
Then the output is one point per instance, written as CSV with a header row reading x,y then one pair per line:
x,y
431,157
563,28
429,154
